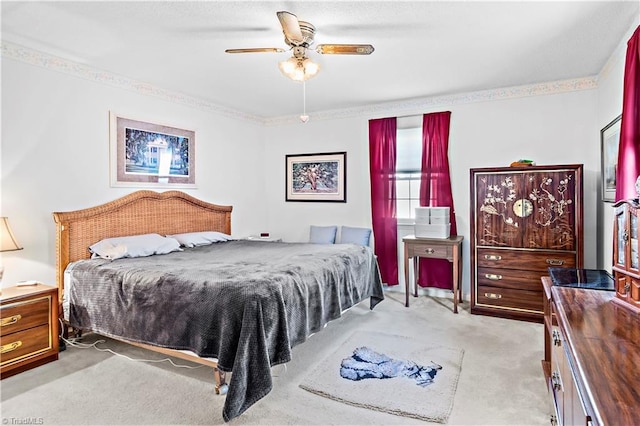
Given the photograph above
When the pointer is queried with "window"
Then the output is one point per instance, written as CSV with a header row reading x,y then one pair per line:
x,y
407,194
408,165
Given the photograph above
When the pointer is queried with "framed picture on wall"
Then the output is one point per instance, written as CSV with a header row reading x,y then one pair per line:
x,y
609,143
150,155
316,177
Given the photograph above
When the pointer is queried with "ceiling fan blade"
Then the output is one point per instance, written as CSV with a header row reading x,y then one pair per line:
x,y
290,28
345,49
256,50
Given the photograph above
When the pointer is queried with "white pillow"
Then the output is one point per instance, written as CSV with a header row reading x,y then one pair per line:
x,y
134,246
193,239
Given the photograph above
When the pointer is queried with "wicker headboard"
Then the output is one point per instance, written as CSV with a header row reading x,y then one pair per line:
x,y
141,212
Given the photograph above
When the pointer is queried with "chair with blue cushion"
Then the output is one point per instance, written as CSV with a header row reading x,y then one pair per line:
x,y
353,235
323,234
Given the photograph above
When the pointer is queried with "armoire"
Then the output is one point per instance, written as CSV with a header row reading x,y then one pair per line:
x,y
523,220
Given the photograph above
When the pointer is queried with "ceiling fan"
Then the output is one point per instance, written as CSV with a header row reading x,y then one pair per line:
x,y
299,35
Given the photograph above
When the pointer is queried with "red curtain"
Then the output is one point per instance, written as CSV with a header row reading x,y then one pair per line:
x,y
629,149
382,169
435,191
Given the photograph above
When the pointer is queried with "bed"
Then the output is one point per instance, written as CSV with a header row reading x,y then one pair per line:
x,y
238,306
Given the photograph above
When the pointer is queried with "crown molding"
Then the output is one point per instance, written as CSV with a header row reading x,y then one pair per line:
x,y
398,108
421,105
55,63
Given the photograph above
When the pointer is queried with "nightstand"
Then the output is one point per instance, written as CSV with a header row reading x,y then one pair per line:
x,y
29,328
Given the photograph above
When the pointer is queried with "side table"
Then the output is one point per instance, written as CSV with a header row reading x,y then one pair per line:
x,y
28,327
436,248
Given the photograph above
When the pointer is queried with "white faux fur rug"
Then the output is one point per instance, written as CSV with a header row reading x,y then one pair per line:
x,y
401,394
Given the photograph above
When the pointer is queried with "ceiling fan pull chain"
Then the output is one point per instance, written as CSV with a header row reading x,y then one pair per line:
x,y
304,117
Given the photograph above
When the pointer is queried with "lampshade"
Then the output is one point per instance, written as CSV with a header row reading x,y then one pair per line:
x,y
8,241
299,69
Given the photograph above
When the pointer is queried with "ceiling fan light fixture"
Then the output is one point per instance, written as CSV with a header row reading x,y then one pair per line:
x,y
299,69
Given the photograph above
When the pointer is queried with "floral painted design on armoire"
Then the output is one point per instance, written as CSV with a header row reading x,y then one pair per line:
x,y
523,221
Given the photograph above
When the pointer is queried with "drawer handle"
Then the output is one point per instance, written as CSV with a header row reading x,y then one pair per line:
x,y
11,320
556,262
10,347
494,277
555,381
492,257
429,251
556,338
493,296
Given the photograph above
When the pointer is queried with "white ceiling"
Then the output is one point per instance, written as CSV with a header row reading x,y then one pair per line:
x,y
422,49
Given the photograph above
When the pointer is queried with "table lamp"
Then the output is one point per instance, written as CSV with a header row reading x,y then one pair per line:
x,y
8,242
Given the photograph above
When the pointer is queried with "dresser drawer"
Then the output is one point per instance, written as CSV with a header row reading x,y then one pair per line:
x,y
509,298
538,260
430,250
23,344
23,315
557,372
510,278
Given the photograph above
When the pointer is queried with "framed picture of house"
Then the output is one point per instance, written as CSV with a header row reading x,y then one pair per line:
x,y
316,177
144,154
609,142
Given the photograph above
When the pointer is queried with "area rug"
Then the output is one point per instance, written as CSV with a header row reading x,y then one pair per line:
x,y
395,374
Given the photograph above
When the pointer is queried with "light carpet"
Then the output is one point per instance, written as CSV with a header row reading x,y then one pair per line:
x,y
399,392
116,391
501,384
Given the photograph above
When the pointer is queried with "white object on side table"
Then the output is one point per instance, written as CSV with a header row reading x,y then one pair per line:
x,y
270,238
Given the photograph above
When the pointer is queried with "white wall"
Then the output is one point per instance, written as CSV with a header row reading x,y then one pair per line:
x,y
55,155
609,106
55,150
551,129
291,220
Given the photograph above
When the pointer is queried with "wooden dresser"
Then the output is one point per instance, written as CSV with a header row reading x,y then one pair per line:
x,y
626,254
523,220
592,354
29,327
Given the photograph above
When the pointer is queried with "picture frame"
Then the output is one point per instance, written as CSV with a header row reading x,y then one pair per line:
x,y
320,177
149,155
609,145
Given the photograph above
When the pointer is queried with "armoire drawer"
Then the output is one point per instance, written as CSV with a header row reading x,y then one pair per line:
x,y
510,278
538,260
509,298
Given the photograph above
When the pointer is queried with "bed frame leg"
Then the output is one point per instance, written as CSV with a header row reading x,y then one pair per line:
x,y
221,385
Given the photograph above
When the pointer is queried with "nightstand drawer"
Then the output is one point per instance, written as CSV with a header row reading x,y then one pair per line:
x,y
25,344
29,331
23,315
430,250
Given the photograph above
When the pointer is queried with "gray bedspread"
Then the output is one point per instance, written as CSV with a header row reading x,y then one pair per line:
x,y
246,303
